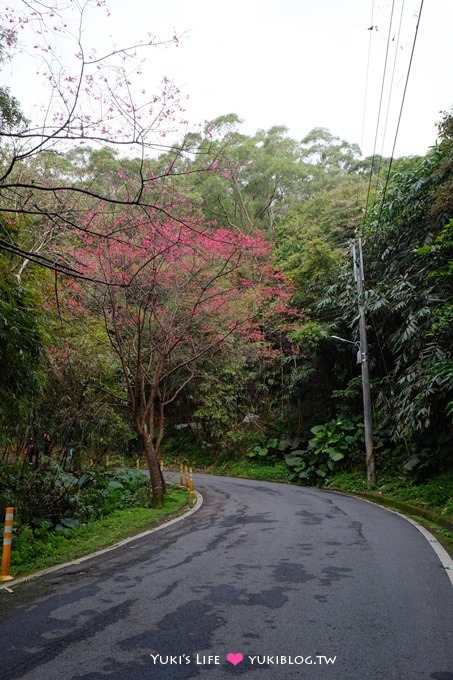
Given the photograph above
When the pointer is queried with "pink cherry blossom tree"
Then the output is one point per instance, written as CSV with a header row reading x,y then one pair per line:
x,y
177,290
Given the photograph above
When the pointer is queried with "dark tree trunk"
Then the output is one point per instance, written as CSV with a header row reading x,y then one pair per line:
x,y
155,473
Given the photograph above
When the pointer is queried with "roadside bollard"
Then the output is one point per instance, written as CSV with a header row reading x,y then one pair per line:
x,y
137,463
7,539
190,479
186,473
180,475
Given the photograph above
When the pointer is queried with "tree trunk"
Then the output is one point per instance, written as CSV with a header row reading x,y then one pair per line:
x,y
155,473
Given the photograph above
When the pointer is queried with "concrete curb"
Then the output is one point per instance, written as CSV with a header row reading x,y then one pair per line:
x,y
10,584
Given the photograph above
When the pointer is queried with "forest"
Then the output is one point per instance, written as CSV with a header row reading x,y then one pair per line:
x,y
157,300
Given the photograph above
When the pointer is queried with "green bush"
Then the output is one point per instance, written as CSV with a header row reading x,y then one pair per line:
x,y
334,441
436,493
265,454
273,450
49,494
37,494
53,506
100,492
43,545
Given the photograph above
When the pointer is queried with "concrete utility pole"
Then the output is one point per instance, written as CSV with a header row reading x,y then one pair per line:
x,y
357,257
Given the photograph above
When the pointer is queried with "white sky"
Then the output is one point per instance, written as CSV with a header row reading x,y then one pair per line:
x,y
299,63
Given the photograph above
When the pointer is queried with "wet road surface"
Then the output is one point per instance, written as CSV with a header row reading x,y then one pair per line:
x,y
281,581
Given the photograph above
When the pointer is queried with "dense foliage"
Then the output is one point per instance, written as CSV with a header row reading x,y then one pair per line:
x,y
51,495
66,380
408,303
193,293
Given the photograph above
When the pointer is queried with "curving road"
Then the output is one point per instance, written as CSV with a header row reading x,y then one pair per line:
x,y
285,581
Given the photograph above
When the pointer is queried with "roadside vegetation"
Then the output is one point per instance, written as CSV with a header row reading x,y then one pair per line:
x,y
60,516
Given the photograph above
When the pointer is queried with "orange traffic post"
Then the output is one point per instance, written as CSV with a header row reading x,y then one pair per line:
x,y
7,540
186,473
180,475
190,479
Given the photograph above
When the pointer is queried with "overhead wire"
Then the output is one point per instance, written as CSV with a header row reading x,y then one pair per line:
x,y
384,76
384,193
367,77
409,68
397,45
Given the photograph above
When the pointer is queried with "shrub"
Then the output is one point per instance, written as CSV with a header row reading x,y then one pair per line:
x,y
332,442
37,494
100,492
49,494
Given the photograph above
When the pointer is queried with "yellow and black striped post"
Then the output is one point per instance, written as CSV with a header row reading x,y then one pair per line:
x,y
186,474
190,479
7,539
180,475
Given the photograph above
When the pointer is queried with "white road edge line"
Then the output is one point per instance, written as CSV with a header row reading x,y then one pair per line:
x,y
10,584
444,557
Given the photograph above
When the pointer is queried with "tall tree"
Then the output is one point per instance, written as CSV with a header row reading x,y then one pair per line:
x,y
256,177
177,289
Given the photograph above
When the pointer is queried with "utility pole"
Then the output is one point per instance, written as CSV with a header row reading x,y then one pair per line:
x,y
357,257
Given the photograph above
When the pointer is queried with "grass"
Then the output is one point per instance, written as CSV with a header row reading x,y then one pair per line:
x,y
434,495
251,469
33,553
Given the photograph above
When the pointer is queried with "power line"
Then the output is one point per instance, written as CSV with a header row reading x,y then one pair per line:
x,y
401,110
384,74
372,169
392,157
391,85
367,77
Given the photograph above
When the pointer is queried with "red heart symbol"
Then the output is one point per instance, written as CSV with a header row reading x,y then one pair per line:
x,y
235,658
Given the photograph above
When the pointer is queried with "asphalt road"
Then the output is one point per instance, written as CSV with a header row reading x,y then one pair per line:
x,y
283,581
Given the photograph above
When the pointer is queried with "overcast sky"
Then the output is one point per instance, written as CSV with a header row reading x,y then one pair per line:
x,y
302,63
